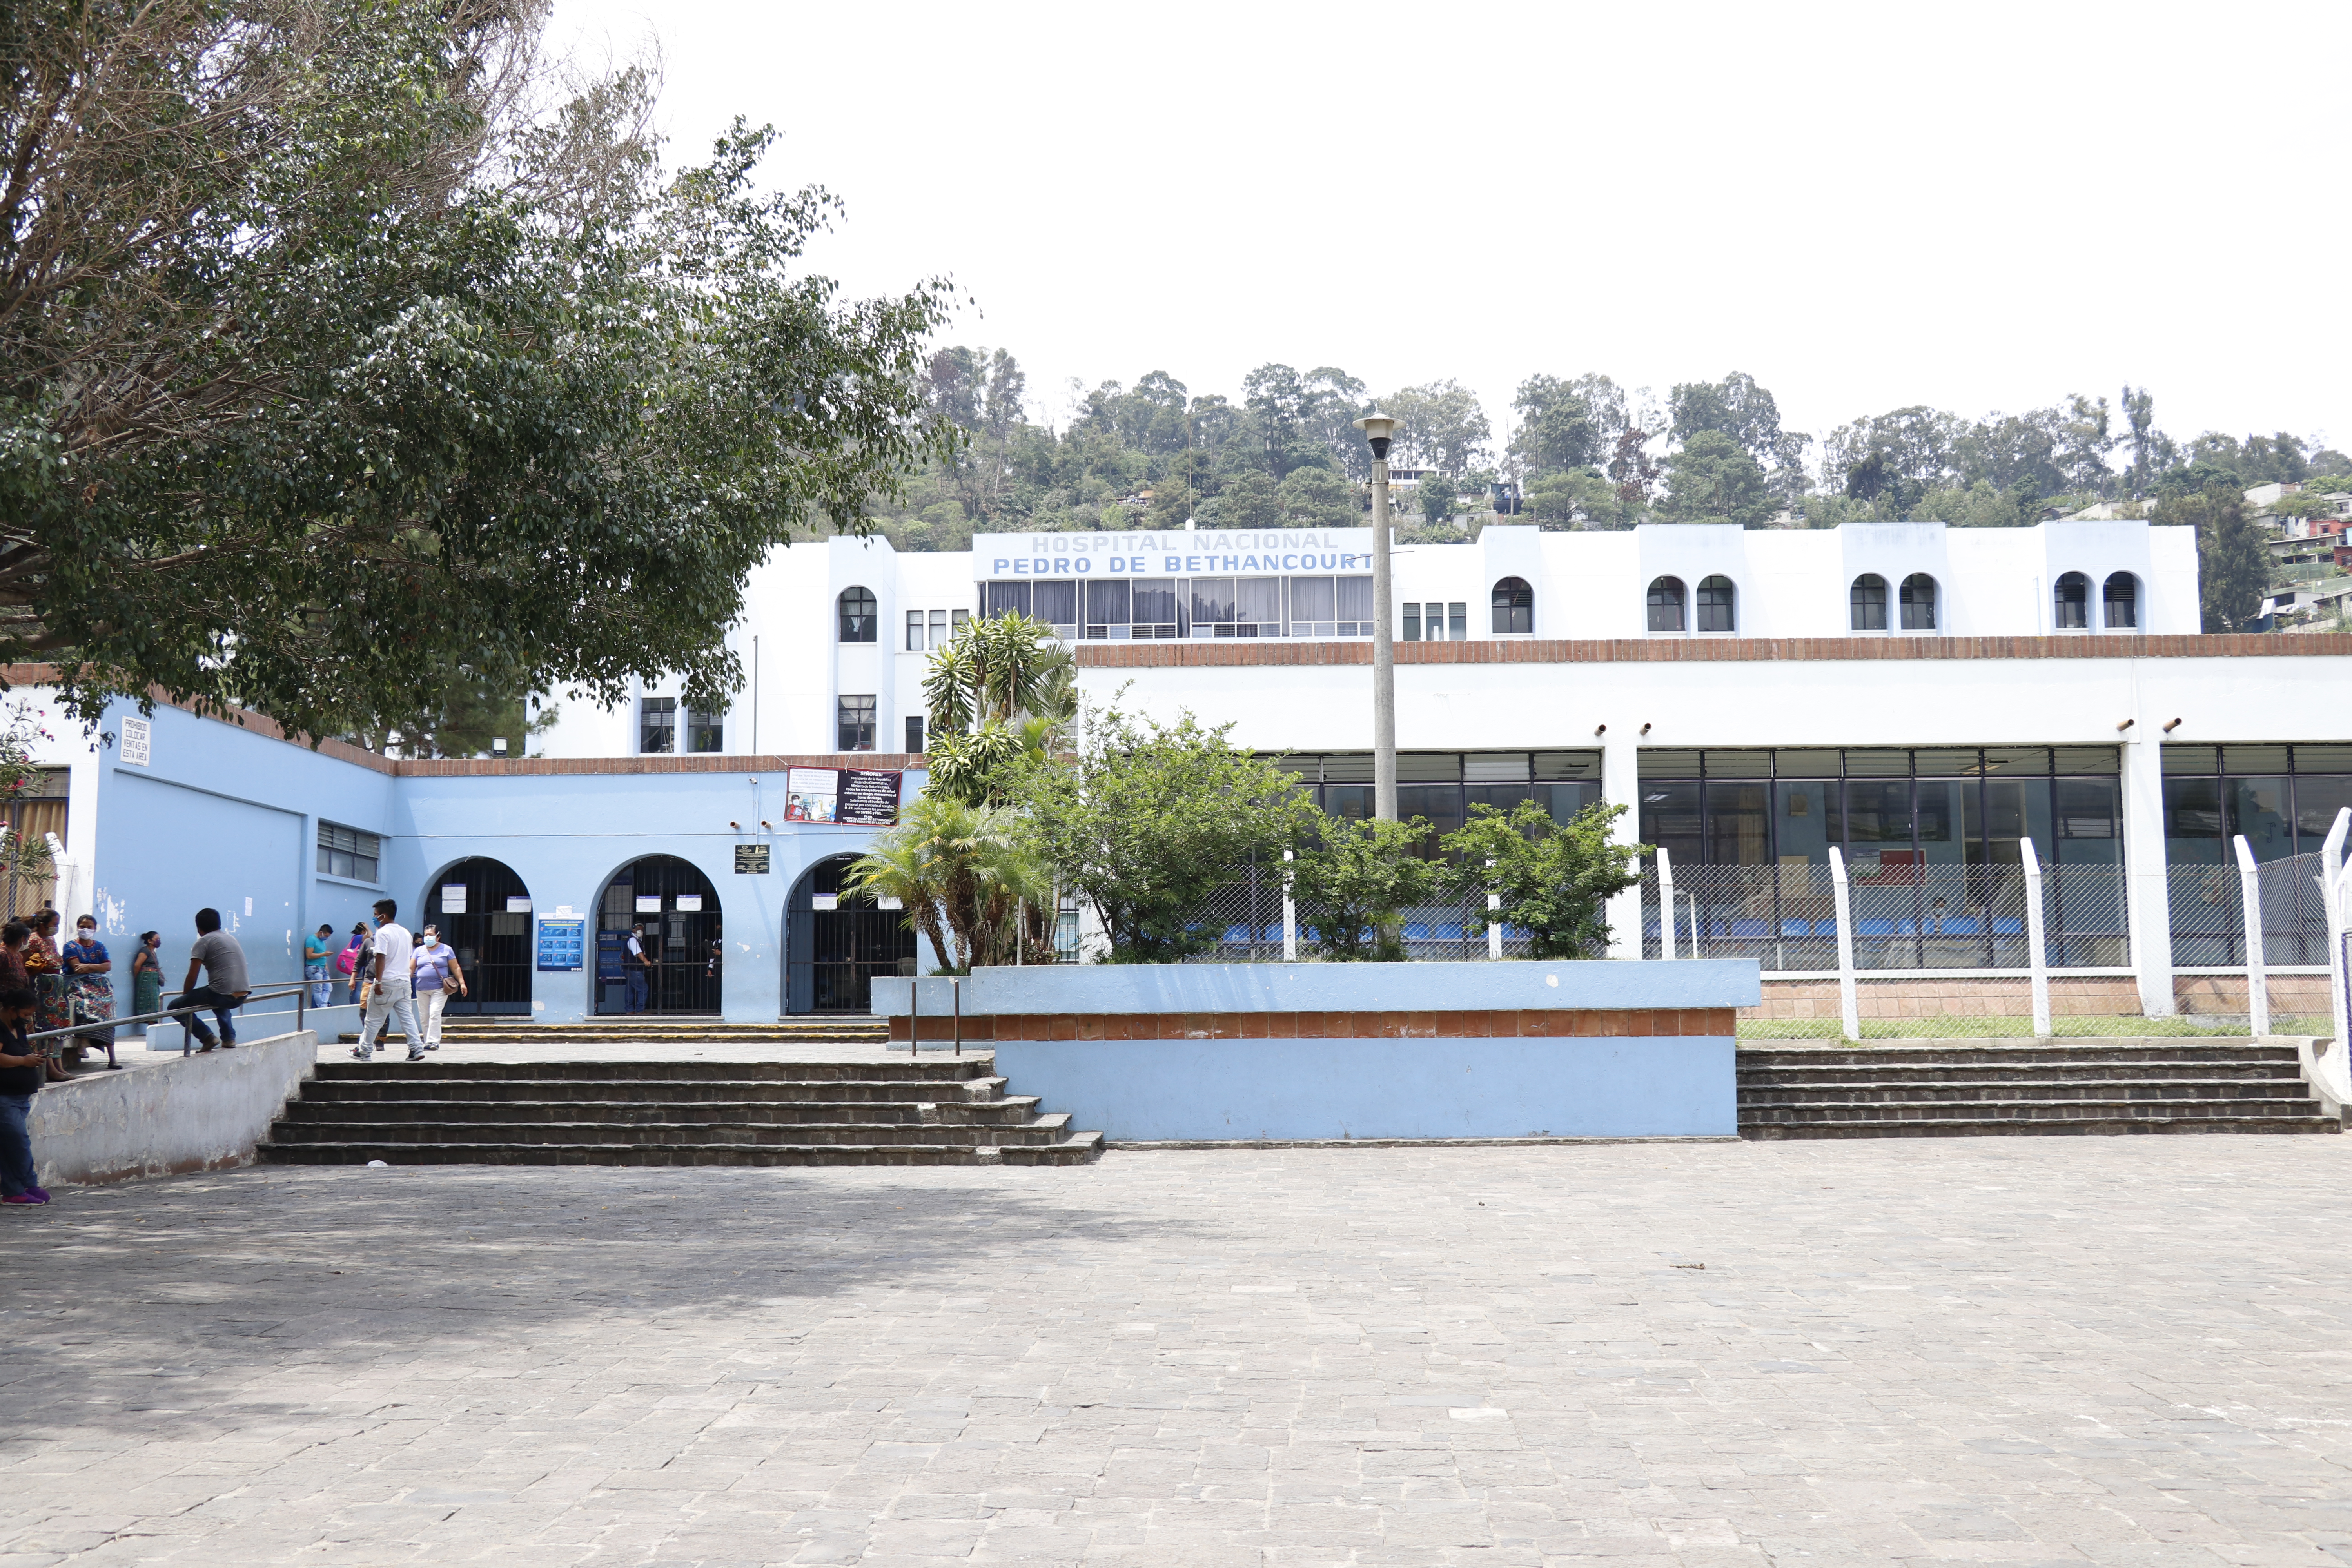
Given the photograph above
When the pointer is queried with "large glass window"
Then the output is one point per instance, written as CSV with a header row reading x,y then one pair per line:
x,y
1257,606
1717,606
1515,607
860,621
2070,603
706,732
348,852
854,727
1665,605
1107,608
658,726
1918,603
1155,608
1057,605
1866,604
1212,600
1004,599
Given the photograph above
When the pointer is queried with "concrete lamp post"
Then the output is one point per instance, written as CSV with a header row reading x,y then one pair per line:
x,y
1378,429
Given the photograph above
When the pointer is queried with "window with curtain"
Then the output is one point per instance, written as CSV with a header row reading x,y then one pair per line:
x,y
2122,606
859,616
2070,603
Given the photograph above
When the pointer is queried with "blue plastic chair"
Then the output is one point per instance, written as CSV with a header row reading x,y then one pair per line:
x,y
1416,933
1747,928
1964,927
1874,928
1825,928
2004,926
1450,932
1793,928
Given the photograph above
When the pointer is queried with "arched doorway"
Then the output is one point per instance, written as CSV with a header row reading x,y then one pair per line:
x,y
483,911
681,912
835,944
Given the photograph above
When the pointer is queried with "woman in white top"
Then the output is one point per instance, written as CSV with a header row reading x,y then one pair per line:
x,y
433,970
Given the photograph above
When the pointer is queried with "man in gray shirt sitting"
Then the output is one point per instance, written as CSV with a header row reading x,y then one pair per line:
x,y
226,987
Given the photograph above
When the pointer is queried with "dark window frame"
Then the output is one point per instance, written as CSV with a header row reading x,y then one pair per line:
x,y
1513,601
857,616
855,717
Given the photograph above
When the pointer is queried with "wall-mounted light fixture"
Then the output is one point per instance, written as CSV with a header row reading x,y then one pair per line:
x,y
2168,729
2126,725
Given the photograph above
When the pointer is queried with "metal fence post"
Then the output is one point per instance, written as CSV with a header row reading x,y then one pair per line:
x,y
915,1016
1667,902
1493,928
2037,952
2258,984
1849,1001
1289,915
956,989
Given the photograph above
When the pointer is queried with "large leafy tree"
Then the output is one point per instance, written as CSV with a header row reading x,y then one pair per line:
x,y
2234,564
1713,479
326,364
1146,821
1553,879
1352,877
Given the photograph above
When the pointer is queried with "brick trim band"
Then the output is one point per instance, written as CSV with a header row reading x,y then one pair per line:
x,y
1712,650
1582,1024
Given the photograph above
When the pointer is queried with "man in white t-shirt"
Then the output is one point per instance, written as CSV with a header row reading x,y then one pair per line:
x,y
395,951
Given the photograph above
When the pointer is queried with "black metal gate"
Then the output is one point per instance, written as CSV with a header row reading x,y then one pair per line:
x,y
845,946
681,912
492,939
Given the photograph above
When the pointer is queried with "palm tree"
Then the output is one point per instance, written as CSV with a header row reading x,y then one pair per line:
x,y
900,866
964,873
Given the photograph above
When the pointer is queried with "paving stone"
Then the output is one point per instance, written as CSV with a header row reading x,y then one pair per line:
x,y
2026,1351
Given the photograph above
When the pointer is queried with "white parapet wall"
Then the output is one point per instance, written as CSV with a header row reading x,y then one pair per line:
x,y
202,1113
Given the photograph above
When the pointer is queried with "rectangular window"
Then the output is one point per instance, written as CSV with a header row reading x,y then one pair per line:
x,y
1411,632
1457,620
915,631
1057,605
658,726
956,618
1355,606
1257,601
914,734
939,626
1007,599
706,732
1107,605
1155,605
1312,606
1212,600
348,852
856,722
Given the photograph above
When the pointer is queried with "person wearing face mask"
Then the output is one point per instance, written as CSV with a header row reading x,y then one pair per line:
x,y
434,970
388,995
90,988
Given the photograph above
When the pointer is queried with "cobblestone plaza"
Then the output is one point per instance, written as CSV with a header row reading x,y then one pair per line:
x,y
2125,1351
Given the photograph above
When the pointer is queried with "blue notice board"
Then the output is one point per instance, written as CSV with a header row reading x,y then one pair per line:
x,y
559,940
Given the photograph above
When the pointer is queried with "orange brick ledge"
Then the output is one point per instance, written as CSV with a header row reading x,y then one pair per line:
x,y
1565,1024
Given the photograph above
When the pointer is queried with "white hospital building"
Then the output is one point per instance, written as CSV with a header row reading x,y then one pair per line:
x,y
1924,697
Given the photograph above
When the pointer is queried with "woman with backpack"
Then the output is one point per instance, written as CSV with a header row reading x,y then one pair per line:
x,y
352,963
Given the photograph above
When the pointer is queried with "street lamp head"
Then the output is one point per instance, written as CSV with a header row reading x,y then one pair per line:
x,y
1378,428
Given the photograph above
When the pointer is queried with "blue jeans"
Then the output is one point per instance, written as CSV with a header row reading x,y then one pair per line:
x,y
636,979
17,1172
222,1003
316,974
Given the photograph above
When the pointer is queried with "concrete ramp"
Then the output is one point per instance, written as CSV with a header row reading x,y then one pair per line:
x,y
162,1119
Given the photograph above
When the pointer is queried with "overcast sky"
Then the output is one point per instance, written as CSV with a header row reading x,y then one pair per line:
x,y
1977,207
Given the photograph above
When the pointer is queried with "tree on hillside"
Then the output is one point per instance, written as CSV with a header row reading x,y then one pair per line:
x,y
1317,497
2233,565
1440,426
1713,479
1307,421
1737,408
1565,424
324,357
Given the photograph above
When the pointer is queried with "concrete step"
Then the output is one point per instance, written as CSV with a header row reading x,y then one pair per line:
x,y
2007,1126
2014,1072
292,1133
488,1154
433,1069
1880,1090
1014,1112
2025,1110
388,1086
1974,1053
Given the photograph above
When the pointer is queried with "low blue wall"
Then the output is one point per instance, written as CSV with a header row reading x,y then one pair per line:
x,y
1143,1090
1314,1051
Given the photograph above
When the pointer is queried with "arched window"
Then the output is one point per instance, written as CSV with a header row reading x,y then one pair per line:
x,y
1515,607
1866,604
2070,603
1716,606
858,619
2122,605
1666,605
1918,603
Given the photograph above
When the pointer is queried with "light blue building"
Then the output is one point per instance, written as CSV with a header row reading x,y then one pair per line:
x,y
535,870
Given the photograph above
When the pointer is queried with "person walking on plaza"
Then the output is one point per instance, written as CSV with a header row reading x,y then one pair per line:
x,y
89,989
22,1069
226,987
353,961
147,977
316,951
436,969
637,968
395,952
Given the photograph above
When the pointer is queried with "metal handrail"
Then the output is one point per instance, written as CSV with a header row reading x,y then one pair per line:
x,y
300,993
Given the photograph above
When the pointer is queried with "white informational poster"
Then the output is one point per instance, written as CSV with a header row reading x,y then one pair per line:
x,y
812,794
138,736
648,903
824,901
689,904
453,897
520,906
